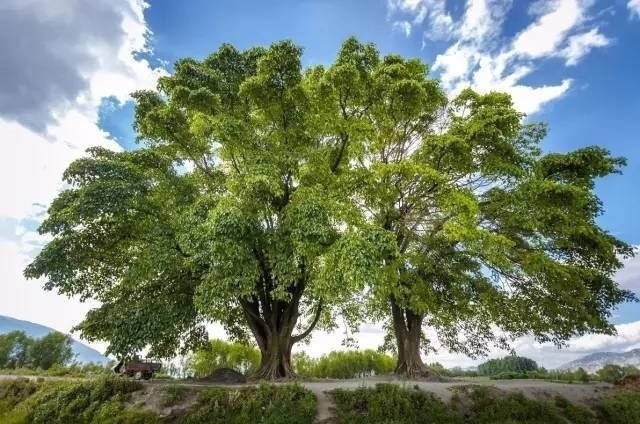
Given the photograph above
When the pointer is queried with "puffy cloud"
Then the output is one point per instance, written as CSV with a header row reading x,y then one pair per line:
x,y
634,8
56,52
544,36
482,58
629,276
581,44
60,59
434,12
403,26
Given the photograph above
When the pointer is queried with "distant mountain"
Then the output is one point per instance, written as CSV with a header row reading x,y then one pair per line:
x,y
83,352
593,362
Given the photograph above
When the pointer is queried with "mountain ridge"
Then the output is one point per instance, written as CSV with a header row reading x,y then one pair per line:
x,y
83,353
594,361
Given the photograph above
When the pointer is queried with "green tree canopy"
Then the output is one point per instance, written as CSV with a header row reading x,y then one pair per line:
x,y
18,350
492,237
271,198
236,209
52,349
14,348
511,363
221,354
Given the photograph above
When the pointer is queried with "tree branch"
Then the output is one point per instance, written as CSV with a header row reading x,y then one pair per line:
x,y
313,324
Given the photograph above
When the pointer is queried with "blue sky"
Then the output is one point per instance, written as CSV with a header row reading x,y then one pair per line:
x,y
65,86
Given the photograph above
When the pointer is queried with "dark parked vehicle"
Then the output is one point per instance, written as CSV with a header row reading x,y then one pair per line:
x,y
137,368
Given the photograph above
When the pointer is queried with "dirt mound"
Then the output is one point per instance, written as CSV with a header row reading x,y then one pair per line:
x,y
629,382
224,376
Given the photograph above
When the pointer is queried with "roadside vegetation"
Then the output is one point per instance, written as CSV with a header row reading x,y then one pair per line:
x,y
113,400
108,401
388,403
96,401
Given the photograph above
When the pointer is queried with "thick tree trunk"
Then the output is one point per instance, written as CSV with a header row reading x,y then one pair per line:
x,y
272,329
407,328
275,362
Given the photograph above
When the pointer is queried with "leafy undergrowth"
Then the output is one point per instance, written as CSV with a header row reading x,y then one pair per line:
x,y
96,401
104,400
174,394
265,404
489,406
390,404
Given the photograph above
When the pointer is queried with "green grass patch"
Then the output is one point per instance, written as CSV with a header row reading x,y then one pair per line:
x,y
488,406
391,404
174,394
622,408
99,401
266,404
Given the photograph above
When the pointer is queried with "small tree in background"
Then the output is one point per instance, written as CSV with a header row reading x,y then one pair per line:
x,y
221,354
582,375
515,364
52,349
14,349
610,373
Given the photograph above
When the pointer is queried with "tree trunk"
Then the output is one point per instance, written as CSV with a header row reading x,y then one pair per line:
x,y
272,328
407,328
275,362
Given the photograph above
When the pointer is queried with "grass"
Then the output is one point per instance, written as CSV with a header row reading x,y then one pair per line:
x,y
107,401
390,404
174,394
487,406
99,401
266,404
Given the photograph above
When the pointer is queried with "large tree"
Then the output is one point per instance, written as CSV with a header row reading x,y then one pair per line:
x,y
263,193
492,238
235,210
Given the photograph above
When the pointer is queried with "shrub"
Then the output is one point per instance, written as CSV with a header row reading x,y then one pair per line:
x,y
517,364
622,408
96,401
266,404
389,403
222,354
610,373
12,392
344,364
489,408
174,394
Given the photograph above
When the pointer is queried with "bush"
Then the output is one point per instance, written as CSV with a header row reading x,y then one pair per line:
x,y
266,404
222,354
622,408
610,373
174,394
12,392
488,407
389,403
517,364
344,364
97,401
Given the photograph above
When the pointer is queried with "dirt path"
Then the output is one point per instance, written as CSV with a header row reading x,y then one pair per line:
x,y
538,389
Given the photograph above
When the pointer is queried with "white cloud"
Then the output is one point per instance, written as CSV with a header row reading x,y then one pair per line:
x,y
434,12
634,8
629,276
581,44
96,58
482,58
544,36
403,26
